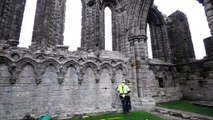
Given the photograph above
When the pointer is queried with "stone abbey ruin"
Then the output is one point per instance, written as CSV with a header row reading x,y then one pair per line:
x,y
48,78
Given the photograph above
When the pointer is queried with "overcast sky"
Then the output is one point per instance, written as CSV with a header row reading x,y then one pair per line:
x,y
72,35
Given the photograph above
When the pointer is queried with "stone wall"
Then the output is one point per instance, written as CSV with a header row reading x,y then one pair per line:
x,y
60,85
47,78
164,84
196,80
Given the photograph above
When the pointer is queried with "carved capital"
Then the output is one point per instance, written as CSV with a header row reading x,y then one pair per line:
x,y
137,38
14,73
39,72
38,80
142,38
61,74
13,42
13,80
60,80
97,75
113,76
80,81
131,42
80,75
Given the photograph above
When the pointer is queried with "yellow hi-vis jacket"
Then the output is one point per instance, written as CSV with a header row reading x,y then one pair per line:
x,y
123,89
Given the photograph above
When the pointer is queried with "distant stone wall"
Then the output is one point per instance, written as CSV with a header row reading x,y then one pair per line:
x,y
196,80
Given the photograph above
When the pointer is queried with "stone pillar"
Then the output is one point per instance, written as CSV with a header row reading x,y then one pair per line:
x,y
11,12
144,80
92,25
180,38
141,80
139,54
208,5
133,68
208,42
49,24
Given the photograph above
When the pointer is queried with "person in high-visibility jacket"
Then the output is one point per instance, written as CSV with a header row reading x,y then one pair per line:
x,y
124,91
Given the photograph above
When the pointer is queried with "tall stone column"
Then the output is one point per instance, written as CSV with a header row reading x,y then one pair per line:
x,y
11,15
143,53
180,38
138,59
49,24
140,67
208,42
132,54
208,5
92,25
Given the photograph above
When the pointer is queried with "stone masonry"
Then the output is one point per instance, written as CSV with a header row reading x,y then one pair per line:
x,y
47,78
180,38
11,14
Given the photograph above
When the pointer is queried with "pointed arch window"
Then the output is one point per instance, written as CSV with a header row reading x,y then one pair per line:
x,y
149,42
108,28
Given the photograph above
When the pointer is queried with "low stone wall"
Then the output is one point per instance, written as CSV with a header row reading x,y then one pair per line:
x,y
168,94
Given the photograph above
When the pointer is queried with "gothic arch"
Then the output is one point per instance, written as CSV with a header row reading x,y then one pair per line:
x,y
109,67
106,66
53,62
119,66
5,60
26,61
155,16
112,5
92,65
71,63
57,65
137,13
17,67
109,3
122,68
159,36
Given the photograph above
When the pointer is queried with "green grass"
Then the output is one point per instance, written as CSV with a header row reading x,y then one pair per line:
x,y
189,107
129,116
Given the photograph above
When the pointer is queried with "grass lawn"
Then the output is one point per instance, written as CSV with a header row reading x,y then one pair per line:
x,y
189,107
129,116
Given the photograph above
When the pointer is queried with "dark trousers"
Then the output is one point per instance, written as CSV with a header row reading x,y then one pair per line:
x,y
126,104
